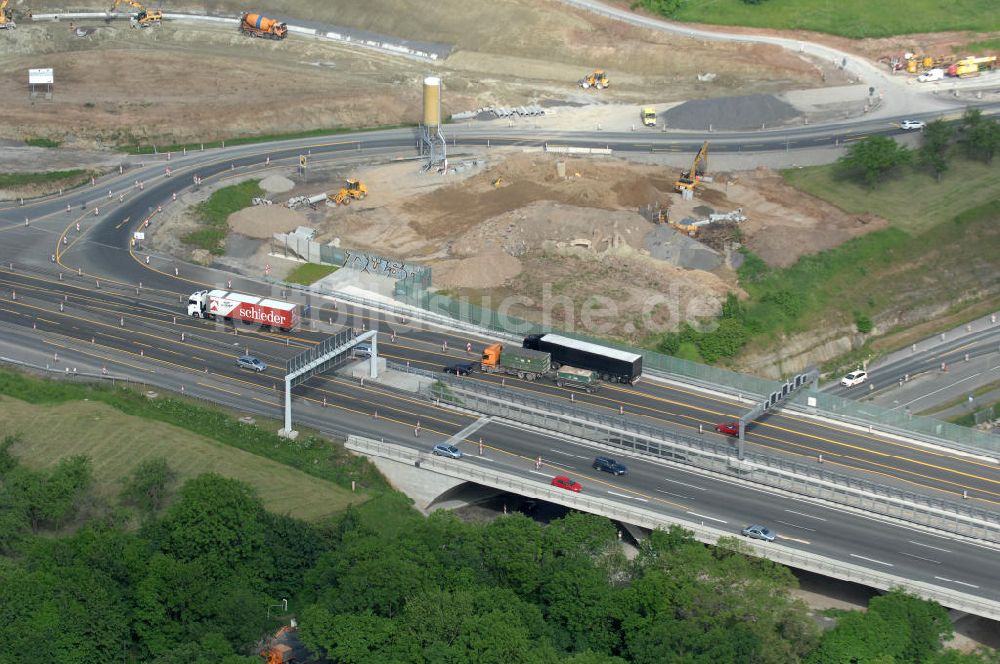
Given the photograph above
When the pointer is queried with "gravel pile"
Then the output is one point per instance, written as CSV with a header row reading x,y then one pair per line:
x,y
666,244
722,113
276,184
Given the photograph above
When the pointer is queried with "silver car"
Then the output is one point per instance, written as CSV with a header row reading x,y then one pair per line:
x,y
443,449
251,362
758,532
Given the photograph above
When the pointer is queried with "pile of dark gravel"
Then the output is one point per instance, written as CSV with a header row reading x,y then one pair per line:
x,y
725,113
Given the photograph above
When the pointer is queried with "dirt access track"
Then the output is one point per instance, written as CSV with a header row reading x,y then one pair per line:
x,y
187,81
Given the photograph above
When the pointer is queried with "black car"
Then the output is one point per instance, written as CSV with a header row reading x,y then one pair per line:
x,y
609,465
463,369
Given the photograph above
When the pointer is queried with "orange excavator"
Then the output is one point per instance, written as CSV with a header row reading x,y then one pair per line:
x,y
143,18
279,653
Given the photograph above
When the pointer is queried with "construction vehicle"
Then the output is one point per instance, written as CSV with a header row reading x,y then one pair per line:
x,y
257,25
610,364
354,189
649,116
972,66
277,652
699,166
529,364
598,79
523,363
143,18
6,16
582,379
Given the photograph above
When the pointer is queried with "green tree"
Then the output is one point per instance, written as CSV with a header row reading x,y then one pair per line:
x,y
512,553
874,157
149,485
896,628
934,151
217,522
348,638
44,499
7,460
373,573
661,7
986,139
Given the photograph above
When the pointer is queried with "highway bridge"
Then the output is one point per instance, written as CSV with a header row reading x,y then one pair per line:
x,y
86,296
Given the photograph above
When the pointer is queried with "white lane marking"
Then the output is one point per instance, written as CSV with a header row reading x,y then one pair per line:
x,y
699,488
795,525
482,458
961,583
936,562
575,456
622,495
808,516
676,495
540,473
710,518
793,539
872,560
936,548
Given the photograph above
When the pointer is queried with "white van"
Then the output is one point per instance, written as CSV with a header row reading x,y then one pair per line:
x,y
931,75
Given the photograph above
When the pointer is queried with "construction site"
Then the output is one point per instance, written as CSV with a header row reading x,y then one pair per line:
x,y
494,223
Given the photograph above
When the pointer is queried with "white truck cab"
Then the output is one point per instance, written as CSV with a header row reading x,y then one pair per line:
x,y
198,304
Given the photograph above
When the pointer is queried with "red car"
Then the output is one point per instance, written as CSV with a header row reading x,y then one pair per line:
x,y
728,428
564,482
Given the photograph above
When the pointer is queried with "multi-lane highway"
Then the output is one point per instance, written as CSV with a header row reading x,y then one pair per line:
x,y
100,250
154,321
78,293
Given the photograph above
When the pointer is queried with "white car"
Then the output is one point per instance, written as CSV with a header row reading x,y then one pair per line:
x,y
854,378
912,124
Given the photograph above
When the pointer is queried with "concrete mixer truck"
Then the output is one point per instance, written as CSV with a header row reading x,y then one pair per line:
x,y
257,25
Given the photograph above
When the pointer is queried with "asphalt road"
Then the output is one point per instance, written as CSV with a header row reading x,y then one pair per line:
x,y
978,345
94,311
100,250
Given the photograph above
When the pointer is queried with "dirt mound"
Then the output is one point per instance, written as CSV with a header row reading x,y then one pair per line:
x,y
530,178
263,221
783,223
276,184
528,229
477,272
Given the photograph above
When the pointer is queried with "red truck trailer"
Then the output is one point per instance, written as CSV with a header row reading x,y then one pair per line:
x,y
247,308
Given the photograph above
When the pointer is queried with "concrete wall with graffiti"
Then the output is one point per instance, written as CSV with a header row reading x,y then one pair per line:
x,y
302,247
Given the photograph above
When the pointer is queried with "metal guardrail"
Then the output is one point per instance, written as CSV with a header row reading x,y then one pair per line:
x,y
650,519
456,315
649,440
919,427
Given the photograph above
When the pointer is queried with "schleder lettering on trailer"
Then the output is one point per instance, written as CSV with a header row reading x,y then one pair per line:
x,y
267,317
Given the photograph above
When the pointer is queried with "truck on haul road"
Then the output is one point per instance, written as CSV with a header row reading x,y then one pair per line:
x,y
610,364
247,308
531,364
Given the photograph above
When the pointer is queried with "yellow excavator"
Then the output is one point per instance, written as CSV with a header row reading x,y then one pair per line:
x,y
6,16
689,179
143,18
354,189
597,79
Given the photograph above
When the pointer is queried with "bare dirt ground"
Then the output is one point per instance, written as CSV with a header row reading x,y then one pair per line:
x,y
120,85
783,223
561,240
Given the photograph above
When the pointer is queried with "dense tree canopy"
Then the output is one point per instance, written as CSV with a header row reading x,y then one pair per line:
x,y
383,585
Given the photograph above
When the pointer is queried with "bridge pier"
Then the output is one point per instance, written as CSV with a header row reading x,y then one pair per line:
x,y
430,491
